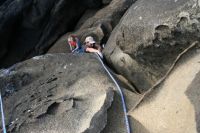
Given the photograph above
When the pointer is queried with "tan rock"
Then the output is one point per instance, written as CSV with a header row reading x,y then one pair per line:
x,y
174,106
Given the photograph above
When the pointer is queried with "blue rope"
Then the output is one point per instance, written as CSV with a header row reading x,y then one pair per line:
x,y
2,115
121,95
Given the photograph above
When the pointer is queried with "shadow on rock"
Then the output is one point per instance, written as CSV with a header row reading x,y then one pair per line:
x,y
193,93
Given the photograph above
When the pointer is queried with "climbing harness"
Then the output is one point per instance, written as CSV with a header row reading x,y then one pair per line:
x,y
121,95
2,115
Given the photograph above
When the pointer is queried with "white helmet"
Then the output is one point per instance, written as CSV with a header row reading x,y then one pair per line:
x,y
90,40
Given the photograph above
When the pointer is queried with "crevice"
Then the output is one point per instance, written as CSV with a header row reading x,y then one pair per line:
x,y
52,109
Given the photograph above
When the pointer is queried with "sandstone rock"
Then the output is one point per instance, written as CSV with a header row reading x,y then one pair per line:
x,y
30,27
150,36
98,24
173,106
116,119
56,93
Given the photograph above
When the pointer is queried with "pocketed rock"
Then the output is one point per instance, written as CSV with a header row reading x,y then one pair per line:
x,y
150,36
62,93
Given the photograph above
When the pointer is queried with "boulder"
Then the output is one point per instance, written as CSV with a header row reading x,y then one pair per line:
x,y
30,27
174,105
62,93
149,38
96,23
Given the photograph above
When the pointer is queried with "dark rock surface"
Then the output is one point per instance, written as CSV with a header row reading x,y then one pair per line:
x,y
30,27
149,38
62,93
96,23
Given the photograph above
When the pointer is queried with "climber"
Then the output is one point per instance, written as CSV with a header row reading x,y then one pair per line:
x,y
92,47
75,44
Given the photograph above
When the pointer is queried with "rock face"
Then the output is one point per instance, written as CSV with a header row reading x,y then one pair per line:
x,y
150,36
56,93
174,106
30,27
96,23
